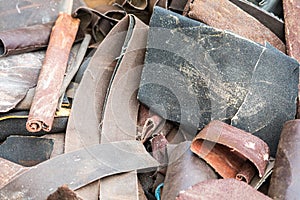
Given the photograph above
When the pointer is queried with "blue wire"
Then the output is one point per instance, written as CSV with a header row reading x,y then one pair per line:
x,y
158,190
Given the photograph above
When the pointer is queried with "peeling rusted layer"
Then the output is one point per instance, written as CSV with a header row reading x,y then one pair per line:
x,y
291,11
222,189
285,182
52,73
228,149
225,15
24,39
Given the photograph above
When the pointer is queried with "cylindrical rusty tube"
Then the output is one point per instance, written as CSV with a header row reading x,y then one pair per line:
x,y
45,100
285,182
24,39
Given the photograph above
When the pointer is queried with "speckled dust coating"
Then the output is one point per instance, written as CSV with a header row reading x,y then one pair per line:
x,y
225,15
291,12
52,73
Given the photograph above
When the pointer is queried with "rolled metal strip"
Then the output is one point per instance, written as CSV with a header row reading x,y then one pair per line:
x,y
45,100
24,39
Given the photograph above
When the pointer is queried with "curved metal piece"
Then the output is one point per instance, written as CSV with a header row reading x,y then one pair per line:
x,y
228,150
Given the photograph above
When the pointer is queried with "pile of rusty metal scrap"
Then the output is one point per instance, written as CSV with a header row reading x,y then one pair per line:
x,y
149,99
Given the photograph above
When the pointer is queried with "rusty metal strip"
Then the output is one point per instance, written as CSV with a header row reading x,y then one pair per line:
x,y
285,182
225,15
291,11
77,169
231,151
51,76
221,189
121,106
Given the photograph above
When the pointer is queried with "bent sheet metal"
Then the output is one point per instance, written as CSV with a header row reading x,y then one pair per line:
x,y
78,168
194,73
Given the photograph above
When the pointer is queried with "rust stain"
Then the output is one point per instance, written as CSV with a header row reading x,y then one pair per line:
x,y
52,73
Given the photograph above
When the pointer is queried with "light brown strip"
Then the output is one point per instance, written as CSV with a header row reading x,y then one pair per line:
x,y
52,73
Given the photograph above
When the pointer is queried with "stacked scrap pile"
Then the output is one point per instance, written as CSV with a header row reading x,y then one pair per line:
x,y
149,99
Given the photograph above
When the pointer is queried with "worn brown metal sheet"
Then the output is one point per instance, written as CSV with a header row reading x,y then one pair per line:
x,y
184,170
78,168
120,111
291,11
47,93
135,4
84,121
221,189
97,23
232,152
269,20
285,182
225,15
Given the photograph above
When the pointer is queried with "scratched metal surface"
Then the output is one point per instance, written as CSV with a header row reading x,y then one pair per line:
x,y
22,13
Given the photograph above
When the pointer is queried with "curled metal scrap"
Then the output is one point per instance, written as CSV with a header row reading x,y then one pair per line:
x,y
218,138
